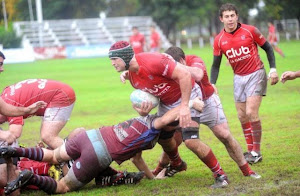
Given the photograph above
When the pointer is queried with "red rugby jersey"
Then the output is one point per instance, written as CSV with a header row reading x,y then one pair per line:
x,y
206,87
27,92
154,76
240,48
154,40
137,43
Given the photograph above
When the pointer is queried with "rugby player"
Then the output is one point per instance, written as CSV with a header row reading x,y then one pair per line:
x,y
238,42
212,115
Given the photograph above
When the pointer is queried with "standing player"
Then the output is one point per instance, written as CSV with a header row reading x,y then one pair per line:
x,y
238,42
137,40
60,100
93,151
163,77
272,38
154,40
212,116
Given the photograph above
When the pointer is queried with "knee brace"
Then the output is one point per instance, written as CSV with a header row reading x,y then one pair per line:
x,y
190,133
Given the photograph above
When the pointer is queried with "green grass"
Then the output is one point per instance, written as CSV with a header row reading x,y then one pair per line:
x,y
103,100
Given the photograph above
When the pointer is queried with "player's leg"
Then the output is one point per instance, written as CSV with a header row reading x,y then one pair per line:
x,y
54,120
3,173
190,136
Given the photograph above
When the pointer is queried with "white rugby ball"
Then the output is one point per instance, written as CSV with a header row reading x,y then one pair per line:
x,y
138,96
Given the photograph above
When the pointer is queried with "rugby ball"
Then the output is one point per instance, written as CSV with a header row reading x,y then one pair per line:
x,y
137,97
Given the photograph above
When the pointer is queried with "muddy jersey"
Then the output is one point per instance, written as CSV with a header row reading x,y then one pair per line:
x,y
126,139
206,87
240,48
137,43
27,92
154,76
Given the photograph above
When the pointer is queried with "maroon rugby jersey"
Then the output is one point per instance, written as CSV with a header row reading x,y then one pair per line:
x,y
126,139
154,76
240,48
206,87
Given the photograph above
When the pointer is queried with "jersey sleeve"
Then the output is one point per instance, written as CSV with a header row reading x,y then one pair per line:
x,y
258,36
16,120
164,66
217,50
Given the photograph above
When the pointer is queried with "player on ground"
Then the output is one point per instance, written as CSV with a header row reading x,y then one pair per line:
x,y
96,147
60,100
238,42
289,75
163,77
272,38
137,40
212,115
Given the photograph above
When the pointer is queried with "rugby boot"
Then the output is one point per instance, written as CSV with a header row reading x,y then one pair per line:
x,y
19,182
7,151
172,170
221,181
254,157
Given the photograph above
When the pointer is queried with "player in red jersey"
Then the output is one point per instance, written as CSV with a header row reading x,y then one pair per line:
x,y
60,100
272,38
154,40
212,115
163,77
238,42
137,40
7,109
93,151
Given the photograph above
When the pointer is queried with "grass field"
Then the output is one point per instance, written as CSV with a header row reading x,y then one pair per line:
x,y
103,100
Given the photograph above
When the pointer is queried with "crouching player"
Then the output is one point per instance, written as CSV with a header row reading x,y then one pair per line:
x,y
96,147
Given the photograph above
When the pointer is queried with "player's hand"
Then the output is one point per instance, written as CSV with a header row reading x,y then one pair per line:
x,y
198,104
35,106
124,76
144,109
288,75
8,137
273,77
215,89
184,116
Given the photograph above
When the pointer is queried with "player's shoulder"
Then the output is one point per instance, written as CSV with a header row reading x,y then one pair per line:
x,y
248,27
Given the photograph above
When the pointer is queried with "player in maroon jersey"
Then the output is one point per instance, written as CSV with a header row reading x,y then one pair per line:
x,y
137,40
238,42
93,151
163,77
212,116
60,100
272,38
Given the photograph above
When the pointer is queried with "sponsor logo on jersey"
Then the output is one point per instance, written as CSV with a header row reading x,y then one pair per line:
x,y
223,43
232,53
243,37
158,89
120,133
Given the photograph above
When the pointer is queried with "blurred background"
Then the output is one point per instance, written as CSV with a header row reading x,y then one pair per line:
x,y
44,29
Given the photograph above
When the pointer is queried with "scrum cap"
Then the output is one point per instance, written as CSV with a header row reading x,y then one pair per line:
x,y
123,50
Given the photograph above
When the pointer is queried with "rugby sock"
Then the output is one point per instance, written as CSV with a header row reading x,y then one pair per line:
x,y
44,183
36,154
247,130
256,135
246,169
211,161
174,157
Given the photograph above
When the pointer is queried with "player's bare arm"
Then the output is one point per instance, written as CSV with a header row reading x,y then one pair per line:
x,y
183,76
7,136
124,76
10,110
196,73
139,162
16,130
